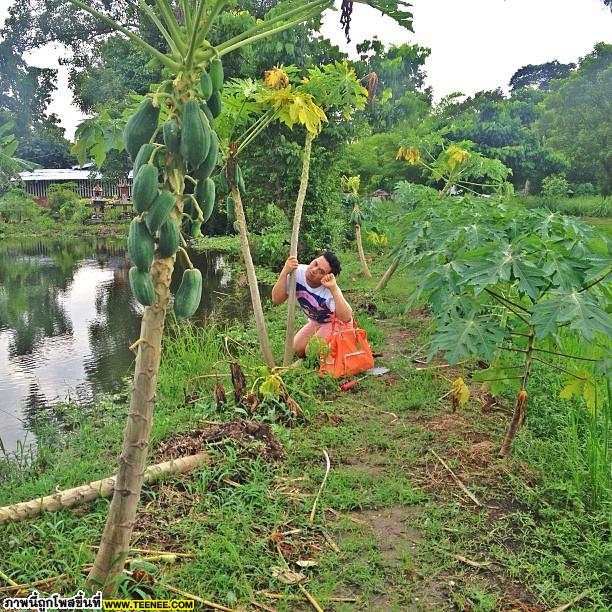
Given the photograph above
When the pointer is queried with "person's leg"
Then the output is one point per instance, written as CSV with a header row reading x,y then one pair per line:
x,y
325,330
300,340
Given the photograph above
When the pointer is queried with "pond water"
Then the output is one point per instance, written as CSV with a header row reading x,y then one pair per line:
x,y
67,317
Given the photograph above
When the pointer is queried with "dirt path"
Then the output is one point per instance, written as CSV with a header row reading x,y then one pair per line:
x,y
430,545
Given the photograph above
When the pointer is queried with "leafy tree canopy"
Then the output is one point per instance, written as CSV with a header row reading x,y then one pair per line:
x,y
576,119
539,75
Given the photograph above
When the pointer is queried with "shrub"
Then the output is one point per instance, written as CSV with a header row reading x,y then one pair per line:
x,y
63,195
17,206
555,186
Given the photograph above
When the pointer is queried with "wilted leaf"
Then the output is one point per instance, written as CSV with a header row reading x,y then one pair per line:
x,y
460,394
584,387
286,575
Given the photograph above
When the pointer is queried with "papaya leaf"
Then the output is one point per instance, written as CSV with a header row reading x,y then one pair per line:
x,y
580,311
469,337
584,387
499,379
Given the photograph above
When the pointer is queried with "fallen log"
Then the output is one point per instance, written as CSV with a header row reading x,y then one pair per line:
x,y
88,492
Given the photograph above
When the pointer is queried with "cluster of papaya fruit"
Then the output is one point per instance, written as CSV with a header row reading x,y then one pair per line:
x,y
173,189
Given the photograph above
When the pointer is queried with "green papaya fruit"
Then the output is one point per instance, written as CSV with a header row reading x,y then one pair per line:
x,y
216,74
205,195
230,209
206,86
189,294
195,135
208,165
172,135
215,104
188,207
159,211
206,110
240,180
169,237
140,245
140,127
142,286
144,189
143,157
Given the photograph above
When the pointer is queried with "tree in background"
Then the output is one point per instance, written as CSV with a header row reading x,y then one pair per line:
x,y
576,119
539,76
398,92
504,129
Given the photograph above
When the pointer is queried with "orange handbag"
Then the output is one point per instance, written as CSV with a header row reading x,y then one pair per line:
x,y
347,352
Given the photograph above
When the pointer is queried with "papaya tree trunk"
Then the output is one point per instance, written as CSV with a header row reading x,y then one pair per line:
x,y
386,277
122,513
518,417
260,322
295,234
362,259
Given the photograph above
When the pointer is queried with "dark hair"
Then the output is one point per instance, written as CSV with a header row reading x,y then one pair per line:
x,y
333,261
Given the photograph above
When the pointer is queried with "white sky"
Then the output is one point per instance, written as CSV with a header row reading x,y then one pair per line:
x,y
476,44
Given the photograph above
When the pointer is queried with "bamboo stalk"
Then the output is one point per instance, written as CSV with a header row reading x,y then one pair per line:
x,y
90,491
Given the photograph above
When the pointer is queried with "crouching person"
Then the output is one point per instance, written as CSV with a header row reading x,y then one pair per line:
x,y
318,295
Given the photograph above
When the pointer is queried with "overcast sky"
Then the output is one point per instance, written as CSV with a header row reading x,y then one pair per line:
x,y
476,44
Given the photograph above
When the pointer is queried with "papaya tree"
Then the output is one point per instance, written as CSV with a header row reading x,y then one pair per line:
x,y
453,167
172,143
332,90
350,184
512,287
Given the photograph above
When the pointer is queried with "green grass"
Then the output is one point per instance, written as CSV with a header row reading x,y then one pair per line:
x,y
391,508
580,206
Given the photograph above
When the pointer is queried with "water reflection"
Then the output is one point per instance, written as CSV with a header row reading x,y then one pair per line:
x,y
67,317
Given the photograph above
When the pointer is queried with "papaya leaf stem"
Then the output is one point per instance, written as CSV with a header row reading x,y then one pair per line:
x,y
267,23
166,12
255,133
598,280
507,300
503,301
267,33
164,59
556,367
194,34
565,355
160,26
214,13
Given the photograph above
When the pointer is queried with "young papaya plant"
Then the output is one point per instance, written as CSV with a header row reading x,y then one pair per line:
x,y
457,167
512,286
172,165
333,88
350,184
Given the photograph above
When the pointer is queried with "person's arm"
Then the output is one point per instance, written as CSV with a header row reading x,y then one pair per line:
x,y
279,291
343,311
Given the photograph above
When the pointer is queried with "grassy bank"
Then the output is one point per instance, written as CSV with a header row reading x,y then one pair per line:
x,y
393,527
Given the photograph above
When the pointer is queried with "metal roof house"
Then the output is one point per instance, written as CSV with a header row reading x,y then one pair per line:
x,y
37,182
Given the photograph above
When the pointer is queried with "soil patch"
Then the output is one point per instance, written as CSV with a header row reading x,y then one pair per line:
x,y
257,439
